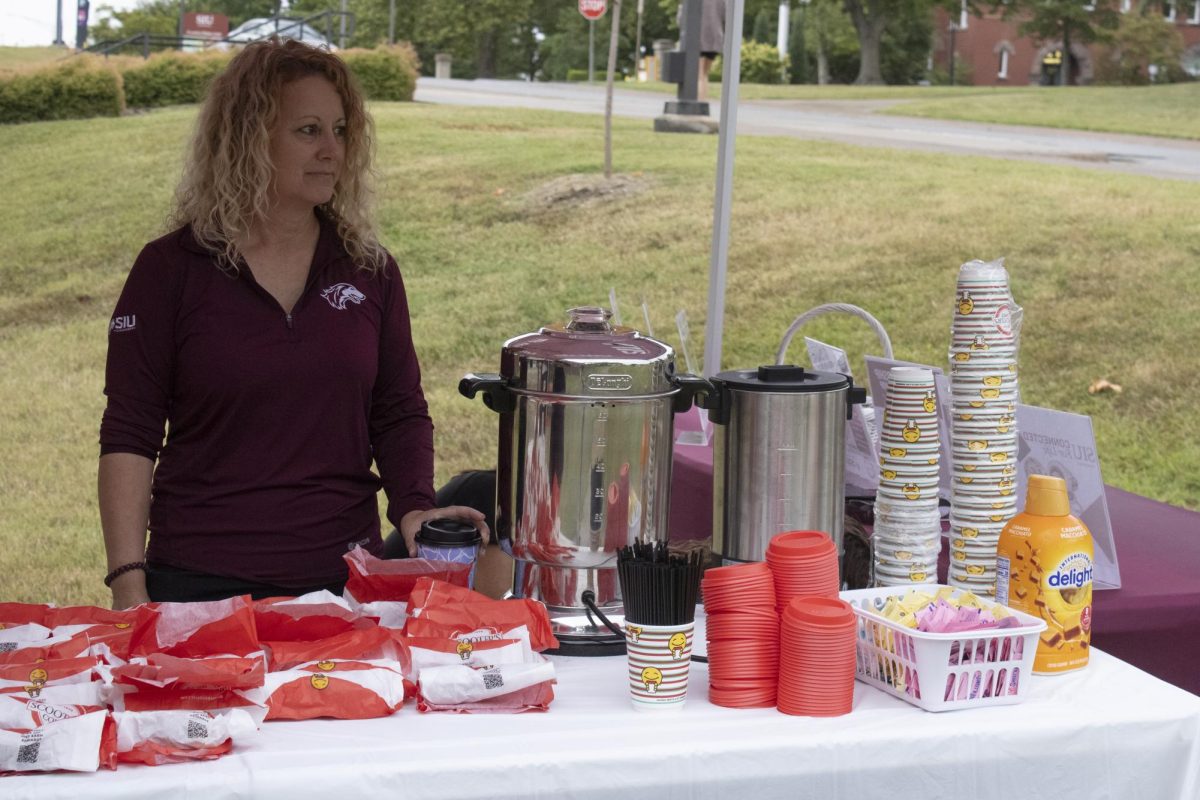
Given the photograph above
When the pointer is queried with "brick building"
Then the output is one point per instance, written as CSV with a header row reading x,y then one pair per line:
x,y
994,54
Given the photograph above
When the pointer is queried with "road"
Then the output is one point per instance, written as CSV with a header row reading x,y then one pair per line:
x,y
852,122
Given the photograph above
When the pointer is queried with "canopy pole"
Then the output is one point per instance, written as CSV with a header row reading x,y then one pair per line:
x,y
731,68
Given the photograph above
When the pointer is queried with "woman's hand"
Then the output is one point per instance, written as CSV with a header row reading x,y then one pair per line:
x,y
410,524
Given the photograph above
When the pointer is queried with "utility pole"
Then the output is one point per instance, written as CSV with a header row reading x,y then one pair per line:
x,y
342,37
391,21
785,9
591,49
58,40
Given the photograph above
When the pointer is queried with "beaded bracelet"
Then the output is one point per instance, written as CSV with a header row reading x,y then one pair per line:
x,y
121,570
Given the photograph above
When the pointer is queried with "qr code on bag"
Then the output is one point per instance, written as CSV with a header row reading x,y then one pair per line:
x,y
492,680
197,729
28,753
7,647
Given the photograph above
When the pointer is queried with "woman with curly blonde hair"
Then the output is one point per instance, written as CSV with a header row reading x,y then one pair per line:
x,y
269,335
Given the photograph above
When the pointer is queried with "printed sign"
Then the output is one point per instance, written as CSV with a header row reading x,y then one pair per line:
x,y
203,25
1063,445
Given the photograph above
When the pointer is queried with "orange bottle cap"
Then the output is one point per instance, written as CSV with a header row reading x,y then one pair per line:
x,y
1047,497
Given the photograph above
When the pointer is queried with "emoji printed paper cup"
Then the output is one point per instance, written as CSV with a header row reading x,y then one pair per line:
x,y
909,493
903,431
964,377
903,452
659,657
907,516
906,573
910,376
980,351
984,426
900,474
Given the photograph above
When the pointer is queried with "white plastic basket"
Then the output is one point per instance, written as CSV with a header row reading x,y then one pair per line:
x,y
942,671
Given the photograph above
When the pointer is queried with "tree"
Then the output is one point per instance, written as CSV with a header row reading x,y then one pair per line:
x,y
796,47
1065,21
870,17
161,17
762,27
1143,39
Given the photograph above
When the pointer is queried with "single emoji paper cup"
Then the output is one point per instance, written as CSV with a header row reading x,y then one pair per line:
x,y
659,660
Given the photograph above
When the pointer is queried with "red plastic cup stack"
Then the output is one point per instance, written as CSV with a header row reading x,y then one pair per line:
x,y
816,659
742,635
805,564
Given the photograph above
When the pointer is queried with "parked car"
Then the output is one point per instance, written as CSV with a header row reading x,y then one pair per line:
x,y
261,27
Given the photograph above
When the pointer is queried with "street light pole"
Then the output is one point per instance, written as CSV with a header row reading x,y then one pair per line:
x,y
58,40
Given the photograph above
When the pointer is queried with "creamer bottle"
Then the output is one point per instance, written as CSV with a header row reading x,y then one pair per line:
x,y
1044,568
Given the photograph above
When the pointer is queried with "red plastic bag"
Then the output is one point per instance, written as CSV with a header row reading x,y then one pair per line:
x,y
165,737
428,592
366,644
533,698
149,698
93,615
31,677
13,614
79,744
485,620
434,652
343,691
50,649
318,615
21,711
159,670
194,630
374,578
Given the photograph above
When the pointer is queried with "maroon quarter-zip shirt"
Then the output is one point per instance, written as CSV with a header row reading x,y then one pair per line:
x,y
272,419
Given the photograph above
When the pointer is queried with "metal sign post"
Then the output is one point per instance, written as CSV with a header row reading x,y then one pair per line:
x,y
592,10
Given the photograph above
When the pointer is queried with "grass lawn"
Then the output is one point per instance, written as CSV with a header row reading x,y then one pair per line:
x,y
1105,265
15,58
1147,110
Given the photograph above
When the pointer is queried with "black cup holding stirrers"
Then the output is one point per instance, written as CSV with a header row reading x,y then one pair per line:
x,y
659,591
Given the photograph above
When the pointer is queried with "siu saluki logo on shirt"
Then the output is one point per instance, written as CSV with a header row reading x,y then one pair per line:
x,y
340,294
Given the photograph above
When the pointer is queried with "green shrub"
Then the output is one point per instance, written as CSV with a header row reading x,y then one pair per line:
x,y
169,79
385,73
760,63
81,87
577,75
964,74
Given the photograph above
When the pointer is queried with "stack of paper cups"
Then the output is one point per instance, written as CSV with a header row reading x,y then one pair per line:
x,y
983,381
908,527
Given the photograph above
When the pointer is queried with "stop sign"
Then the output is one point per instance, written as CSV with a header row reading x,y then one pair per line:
x,y
593,9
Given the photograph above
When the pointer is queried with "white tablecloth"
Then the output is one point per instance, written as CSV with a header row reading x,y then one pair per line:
x,y
1110,731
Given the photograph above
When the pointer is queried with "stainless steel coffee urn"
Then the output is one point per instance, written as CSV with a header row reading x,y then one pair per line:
x,y
584,465
779,455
